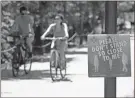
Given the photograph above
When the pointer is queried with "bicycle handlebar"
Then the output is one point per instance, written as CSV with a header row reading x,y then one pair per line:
x,y
54,38
19,36
11,38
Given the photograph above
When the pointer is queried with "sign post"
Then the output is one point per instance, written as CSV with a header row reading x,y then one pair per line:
x,y
110,27
109,54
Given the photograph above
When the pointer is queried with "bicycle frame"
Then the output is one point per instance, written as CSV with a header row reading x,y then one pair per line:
x,y
54,48
20,47
57,64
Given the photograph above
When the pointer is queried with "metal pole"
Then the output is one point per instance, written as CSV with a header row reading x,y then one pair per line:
x,y
134,17
110,28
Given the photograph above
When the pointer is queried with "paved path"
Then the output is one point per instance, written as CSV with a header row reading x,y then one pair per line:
x,y
38,83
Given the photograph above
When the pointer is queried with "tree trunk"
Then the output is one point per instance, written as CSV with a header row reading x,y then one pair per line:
x,y
64,6
82,31
81,23
41,7
94,14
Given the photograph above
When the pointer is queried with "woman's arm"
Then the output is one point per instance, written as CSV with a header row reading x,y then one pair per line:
x,y
48,30
66,29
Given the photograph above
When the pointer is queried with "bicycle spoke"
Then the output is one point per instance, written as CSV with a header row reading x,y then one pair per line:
x,y
28,63
54,69
63,69
15,64
27,66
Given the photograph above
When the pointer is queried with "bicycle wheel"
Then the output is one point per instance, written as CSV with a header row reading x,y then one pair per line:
x,y
63,68
28,63
16,63
54,65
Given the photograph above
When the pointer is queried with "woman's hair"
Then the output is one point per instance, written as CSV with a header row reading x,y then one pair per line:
x,y
61,17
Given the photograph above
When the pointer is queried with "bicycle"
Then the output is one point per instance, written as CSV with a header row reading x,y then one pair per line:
x,y
55,63
18,58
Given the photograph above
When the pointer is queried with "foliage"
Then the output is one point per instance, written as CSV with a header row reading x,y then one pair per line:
x,y
79,15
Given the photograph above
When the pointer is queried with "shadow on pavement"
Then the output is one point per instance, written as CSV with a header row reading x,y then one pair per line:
x,y
63,80
36,74
6,74
67,80
33,75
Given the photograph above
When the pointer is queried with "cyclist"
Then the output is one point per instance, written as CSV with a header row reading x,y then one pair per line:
x,y
24,24
59,29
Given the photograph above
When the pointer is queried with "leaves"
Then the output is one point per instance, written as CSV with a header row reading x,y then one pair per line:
x,y
76,13
125,6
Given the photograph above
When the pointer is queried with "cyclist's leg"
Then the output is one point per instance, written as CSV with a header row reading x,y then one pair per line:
x,y
29,42
22,55
52,58
21,51
62,53
57,47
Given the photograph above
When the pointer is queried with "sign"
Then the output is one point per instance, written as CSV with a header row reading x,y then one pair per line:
x,y
109,55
